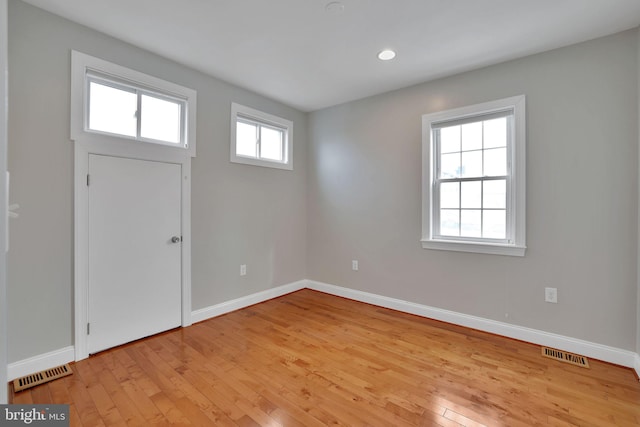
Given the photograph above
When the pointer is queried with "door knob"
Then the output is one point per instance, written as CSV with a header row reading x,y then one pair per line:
x,y
175,239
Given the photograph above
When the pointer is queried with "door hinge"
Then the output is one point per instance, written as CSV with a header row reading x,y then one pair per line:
x,y
87,180
88,328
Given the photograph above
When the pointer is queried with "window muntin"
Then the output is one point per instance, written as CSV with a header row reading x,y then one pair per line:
x,y
473,178
260,139
119,108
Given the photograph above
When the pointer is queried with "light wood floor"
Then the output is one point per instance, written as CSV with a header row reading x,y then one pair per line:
x,y
311,359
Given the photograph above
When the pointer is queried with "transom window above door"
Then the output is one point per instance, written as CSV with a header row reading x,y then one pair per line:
x,y
129,111
110,101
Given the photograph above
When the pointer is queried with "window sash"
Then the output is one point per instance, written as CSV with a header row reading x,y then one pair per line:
x,y
260,125
437,210
139,91
437,181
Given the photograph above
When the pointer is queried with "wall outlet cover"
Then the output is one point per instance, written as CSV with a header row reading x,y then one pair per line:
x,y
551,295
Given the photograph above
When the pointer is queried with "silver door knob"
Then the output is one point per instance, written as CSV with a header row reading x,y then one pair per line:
x,y
175,239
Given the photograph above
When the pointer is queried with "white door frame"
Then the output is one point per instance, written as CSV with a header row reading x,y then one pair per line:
x,y
132,150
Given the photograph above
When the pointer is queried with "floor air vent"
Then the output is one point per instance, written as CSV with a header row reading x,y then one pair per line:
x,y
563,356
41,377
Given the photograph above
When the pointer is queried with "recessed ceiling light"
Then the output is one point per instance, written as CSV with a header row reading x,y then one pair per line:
x,y
334,8
386,55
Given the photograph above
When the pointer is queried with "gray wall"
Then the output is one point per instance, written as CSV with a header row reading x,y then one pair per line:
x,y
357,188
240,214
638,259
364,195
3,207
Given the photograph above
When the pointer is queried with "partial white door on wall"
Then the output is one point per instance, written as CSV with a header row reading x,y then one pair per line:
x,y
134,249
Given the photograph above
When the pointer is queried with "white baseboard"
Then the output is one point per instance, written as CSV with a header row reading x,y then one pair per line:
x,y
67,354
246,301
596,351
40,363
573,345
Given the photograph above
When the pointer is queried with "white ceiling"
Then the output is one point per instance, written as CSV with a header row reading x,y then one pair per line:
x,y
297,52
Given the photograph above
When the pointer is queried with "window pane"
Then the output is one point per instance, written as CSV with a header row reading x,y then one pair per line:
x,y
160,119
471,197
494,224
472,136
450,195
494,194
271,142
495,162
450,165
246,139
471,164
470,223
450,139
112,110
495,133
449,222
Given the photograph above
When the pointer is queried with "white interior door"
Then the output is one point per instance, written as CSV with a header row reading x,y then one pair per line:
x,y
134,249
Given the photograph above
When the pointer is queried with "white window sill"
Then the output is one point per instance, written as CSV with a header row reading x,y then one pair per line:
x,y
482,248
260,162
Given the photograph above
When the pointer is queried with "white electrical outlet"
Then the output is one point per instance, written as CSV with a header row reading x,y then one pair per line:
x,y
551,295
354,265
243,269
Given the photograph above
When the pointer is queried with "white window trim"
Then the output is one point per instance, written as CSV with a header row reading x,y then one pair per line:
x,y
517,165
83,66
241,111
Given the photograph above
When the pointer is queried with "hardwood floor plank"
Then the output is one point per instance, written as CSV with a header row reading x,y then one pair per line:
x,y
145,404
461,419
60,392
127,407
106,408
78,391
312,359
22,398
171,413
74,417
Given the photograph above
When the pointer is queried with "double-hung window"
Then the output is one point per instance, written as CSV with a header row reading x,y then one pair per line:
x,y
260,139
473,178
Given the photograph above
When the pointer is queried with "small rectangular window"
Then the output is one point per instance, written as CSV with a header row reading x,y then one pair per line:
x,y
260,139
473,181
112,105
122,108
